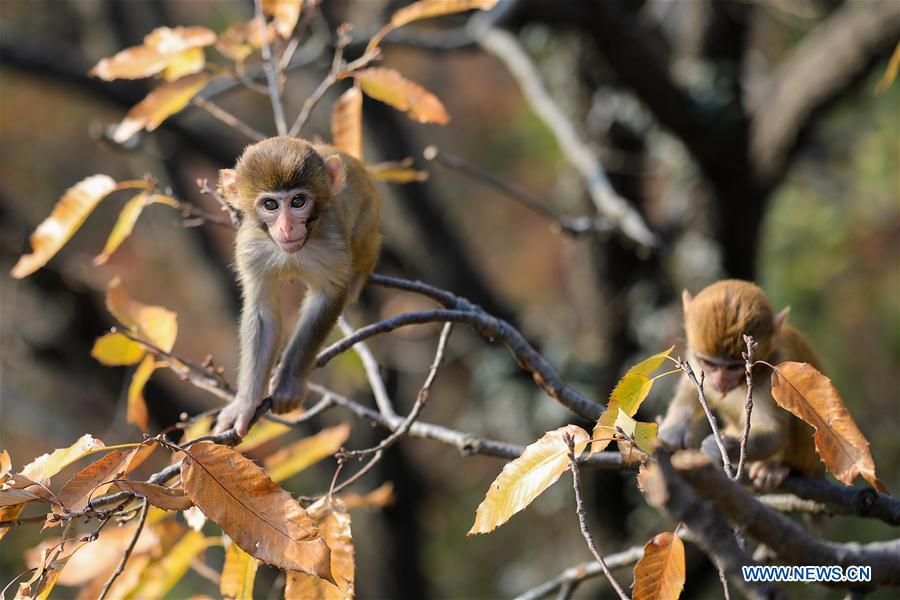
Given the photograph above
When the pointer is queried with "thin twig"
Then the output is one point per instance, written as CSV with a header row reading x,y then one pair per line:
x,y
568,225
373,371
309,11
229,119
583,571
128,551
748,369
582,520
270,66
233,213
701,396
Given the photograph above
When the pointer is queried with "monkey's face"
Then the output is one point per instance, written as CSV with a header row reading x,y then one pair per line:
x,y
723,374
287,215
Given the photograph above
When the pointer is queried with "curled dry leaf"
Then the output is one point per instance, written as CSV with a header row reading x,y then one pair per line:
x,y
285,12
238,574
153,323
162,47
394,89
157,495
525,478
68,215
295,457
436,8
660,573
628,395
397,171
333,522
346,123
161,103
807,393
45,576
261,518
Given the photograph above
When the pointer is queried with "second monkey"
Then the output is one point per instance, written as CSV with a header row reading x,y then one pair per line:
x,y
309,212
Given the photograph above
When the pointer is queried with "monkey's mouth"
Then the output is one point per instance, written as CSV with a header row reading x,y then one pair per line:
x,y
292,246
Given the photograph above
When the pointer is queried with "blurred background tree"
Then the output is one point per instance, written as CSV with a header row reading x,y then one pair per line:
x,y
746,133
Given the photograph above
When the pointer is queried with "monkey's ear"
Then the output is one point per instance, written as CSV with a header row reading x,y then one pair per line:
x,y
335,173
686,300
228,186
781,318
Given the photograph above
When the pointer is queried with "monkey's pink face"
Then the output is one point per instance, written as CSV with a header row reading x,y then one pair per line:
x,y
288,216
723,374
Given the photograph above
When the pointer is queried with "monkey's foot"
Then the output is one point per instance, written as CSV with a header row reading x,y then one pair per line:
x,y
767,475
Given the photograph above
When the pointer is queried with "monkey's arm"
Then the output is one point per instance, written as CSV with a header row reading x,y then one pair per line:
x,y
259,335
769,427
320,312
675,430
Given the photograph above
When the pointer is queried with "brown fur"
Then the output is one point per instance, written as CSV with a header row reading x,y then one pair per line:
x,y
718,316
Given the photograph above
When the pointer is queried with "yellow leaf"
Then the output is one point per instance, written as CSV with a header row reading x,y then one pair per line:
x,y
263,431
392,88
5,463
67,216
160,577
660,573
294,458
185,63
153,323
436,8
238,574
804,391
380,497
285,12
175,40
45,576
241,40
890,74
114,350
526,477
161,103
137,407
346,123
47,465
397,171
628,395
162,47
123,227
334,525
644,435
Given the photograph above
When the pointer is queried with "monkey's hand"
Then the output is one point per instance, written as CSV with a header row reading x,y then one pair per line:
x,y
290,390
732,448
237,414
676,437
767,475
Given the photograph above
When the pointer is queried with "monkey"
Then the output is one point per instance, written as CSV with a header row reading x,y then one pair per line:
x,y
309,211
715,321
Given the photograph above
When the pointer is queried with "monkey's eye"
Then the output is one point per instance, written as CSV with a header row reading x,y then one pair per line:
x,y
270,204
298,201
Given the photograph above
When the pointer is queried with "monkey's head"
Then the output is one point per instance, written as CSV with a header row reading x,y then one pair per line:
x,y
282,185
716,320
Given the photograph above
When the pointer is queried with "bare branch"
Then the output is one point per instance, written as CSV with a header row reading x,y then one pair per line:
x,y
270,66
701,396
228,118
373,371
748,370
121,567
585,570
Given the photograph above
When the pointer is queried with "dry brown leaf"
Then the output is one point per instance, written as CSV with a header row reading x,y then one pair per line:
x,y
161,47
334,525
660,573
45,576
628,395
153,323
807,393
394,89
261,518
161,103
297,456
68,215
346,123
137,406
238,574
435,8
285,12
397,171
5,463
240,40
157,495
525,478
95,479
380,497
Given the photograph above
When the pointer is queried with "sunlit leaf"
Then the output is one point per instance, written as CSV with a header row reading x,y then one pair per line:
x,y
628,395
807,393
47,465
397,171
660,573
285,12
890,74
157,495
380,497
114,350
644,435
123,227
346,123
292,459
68,215
94,480
153,323
261,518
525,478
262,432
185,63
161,576
241,40
436,8
137,406
5,463
238,574
174,40
333,522
161,103
19,489
392,88
161,47
45,577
